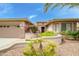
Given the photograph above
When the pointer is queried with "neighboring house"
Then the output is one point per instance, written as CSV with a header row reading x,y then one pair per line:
x,y
14,27
58,25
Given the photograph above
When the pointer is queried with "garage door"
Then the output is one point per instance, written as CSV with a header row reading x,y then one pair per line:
x,y
11,32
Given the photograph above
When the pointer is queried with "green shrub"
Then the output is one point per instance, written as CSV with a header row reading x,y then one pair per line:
x,y
33,29
48,33
73,34
65,32
40,47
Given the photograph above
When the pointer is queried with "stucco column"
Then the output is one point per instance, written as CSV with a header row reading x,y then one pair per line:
x,y
39,28
50,27
74,26
59,27
68,26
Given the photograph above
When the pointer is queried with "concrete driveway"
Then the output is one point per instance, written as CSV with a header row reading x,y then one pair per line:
x,y
8,42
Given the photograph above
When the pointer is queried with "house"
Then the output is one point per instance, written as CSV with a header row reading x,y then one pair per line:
x,y
58,25
14,27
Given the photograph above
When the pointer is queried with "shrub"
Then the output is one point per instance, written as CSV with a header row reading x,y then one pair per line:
x,y
65,32
33,29
73,34
40,47
48,33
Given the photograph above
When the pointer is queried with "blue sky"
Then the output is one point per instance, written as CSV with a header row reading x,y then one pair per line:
x,y
35,12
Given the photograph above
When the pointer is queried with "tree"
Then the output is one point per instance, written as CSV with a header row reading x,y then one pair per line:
x,y
54,5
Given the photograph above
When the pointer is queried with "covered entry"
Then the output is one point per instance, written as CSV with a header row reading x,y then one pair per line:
x,y
42,29
41,26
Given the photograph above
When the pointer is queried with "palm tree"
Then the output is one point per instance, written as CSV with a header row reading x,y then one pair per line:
x,y
54,5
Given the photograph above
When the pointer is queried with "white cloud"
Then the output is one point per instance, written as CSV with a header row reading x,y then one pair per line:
x,y
32,16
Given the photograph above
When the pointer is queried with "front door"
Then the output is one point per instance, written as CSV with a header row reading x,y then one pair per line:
x,y
42,29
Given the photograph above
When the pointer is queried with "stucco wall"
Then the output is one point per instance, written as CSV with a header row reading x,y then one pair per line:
x,y
74,26
12,31
58,27
52,27
71,26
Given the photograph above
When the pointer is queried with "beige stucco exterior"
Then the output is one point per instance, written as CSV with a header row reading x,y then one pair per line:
x,y
13,28
12,31
54,27
59,25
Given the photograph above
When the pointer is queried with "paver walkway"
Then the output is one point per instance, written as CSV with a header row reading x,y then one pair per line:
x,y
69,48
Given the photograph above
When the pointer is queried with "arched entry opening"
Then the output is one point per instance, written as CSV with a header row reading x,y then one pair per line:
x,y
42,29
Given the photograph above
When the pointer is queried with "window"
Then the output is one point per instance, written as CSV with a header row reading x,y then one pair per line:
x,y
8,26
63,26
0,26
4,26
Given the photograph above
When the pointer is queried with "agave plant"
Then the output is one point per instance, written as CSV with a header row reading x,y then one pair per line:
x,y
40,47
73,34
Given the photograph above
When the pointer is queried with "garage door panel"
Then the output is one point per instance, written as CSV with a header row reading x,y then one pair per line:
x,y
11,32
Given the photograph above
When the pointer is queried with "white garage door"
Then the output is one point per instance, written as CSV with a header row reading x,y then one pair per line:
x,y
11,32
